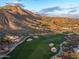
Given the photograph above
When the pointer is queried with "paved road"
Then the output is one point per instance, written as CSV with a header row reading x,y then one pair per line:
x,y
14,46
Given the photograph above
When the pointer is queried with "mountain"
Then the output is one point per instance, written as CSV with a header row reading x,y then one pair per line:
x,y
16,20
62,24
60,15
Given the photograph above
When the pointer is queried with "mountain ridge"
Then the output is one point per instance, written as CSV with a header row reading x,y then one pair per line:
x,y
19,20
15,18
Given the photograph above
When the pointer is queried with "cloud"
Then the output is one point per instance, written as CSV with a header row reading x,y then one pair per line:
x,y
72,8
73,11
16,3
52,9
59,10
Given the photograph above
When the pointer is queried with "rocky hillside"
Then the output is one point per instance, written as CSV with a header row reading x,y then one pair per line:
x,y
14,19
59,24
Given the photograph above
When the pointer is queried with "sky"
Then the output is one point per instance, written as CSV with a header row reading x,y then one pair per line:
x,y
52,6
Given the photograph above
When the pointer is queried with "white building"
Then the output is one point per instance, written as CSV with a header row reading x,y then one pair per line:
x,y
76,50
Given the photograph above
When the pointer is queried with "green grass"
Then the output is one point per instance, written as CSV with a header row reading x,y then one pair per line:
x,y
36,49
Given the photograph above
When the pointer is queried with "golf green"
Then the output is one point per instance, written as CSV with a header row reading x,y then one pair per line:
x,y
37,48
